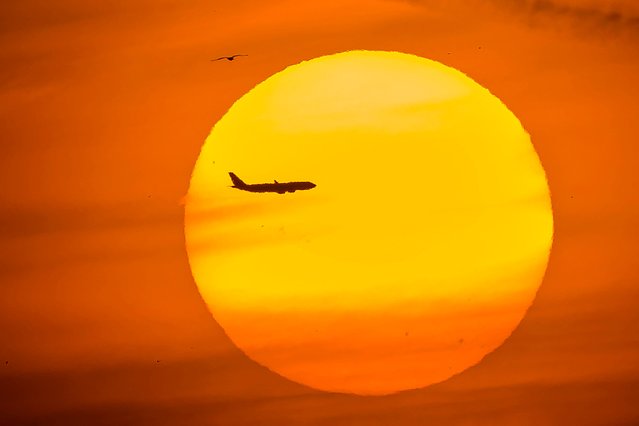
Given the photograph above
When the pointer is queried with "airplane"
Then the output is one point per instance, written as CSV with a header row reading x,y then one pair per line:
x,y
278,187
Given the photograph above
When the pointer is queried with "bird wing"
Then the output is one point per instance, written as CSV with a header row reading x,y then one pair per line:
x,y
221,57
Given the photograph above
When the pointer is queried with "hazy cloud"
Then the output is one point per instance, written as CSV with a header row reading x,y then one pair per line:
x,y
274,402
603,12
613,14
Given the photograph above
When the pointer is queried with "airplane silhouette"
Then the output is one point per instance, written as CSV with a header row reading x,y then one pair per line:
x,y
280,188
228,58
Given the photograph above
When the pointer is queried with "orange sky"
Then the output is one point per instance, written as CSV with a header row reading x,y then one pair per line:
x,y
103,110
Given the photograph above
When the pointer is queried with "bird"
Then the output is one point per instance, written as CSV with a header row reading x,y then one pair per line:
x,y
228,58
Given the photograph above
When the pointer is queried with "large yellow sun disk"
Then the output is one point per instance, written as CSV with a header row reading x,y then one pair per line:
x,y
419,250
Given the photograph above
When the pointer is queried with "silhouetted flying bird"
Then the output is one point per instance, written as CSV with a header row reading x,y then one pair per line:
x,y
228,58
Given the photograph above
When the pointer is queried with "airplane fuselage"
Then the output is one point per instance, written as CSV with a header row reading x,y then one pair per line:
x,y
277,187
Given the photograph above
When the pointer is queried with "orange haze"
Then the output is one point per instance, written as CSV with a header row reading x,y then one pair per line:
x,y
103,109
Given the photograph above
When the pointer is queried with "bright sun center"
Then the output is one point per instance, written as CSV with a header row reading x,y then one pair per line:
x,y
417,253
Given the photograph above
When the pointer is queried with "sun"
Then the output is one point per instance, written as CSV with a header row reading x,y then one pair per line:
x,y
417,253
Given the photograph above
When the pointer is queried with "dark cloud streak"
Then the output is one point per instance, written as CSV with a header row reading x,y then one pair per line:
x,y
599,13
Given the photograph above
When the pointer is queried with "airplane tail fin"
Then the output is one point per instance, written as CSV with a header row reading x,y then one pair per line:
x,y
237,182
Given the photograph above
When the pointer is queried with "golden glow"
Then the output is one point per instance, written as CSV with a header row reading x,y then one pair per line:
x,y
419,250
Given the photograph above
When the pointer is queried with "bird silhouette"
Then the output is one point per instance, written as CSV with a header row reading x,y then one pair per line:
x,y
228,58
